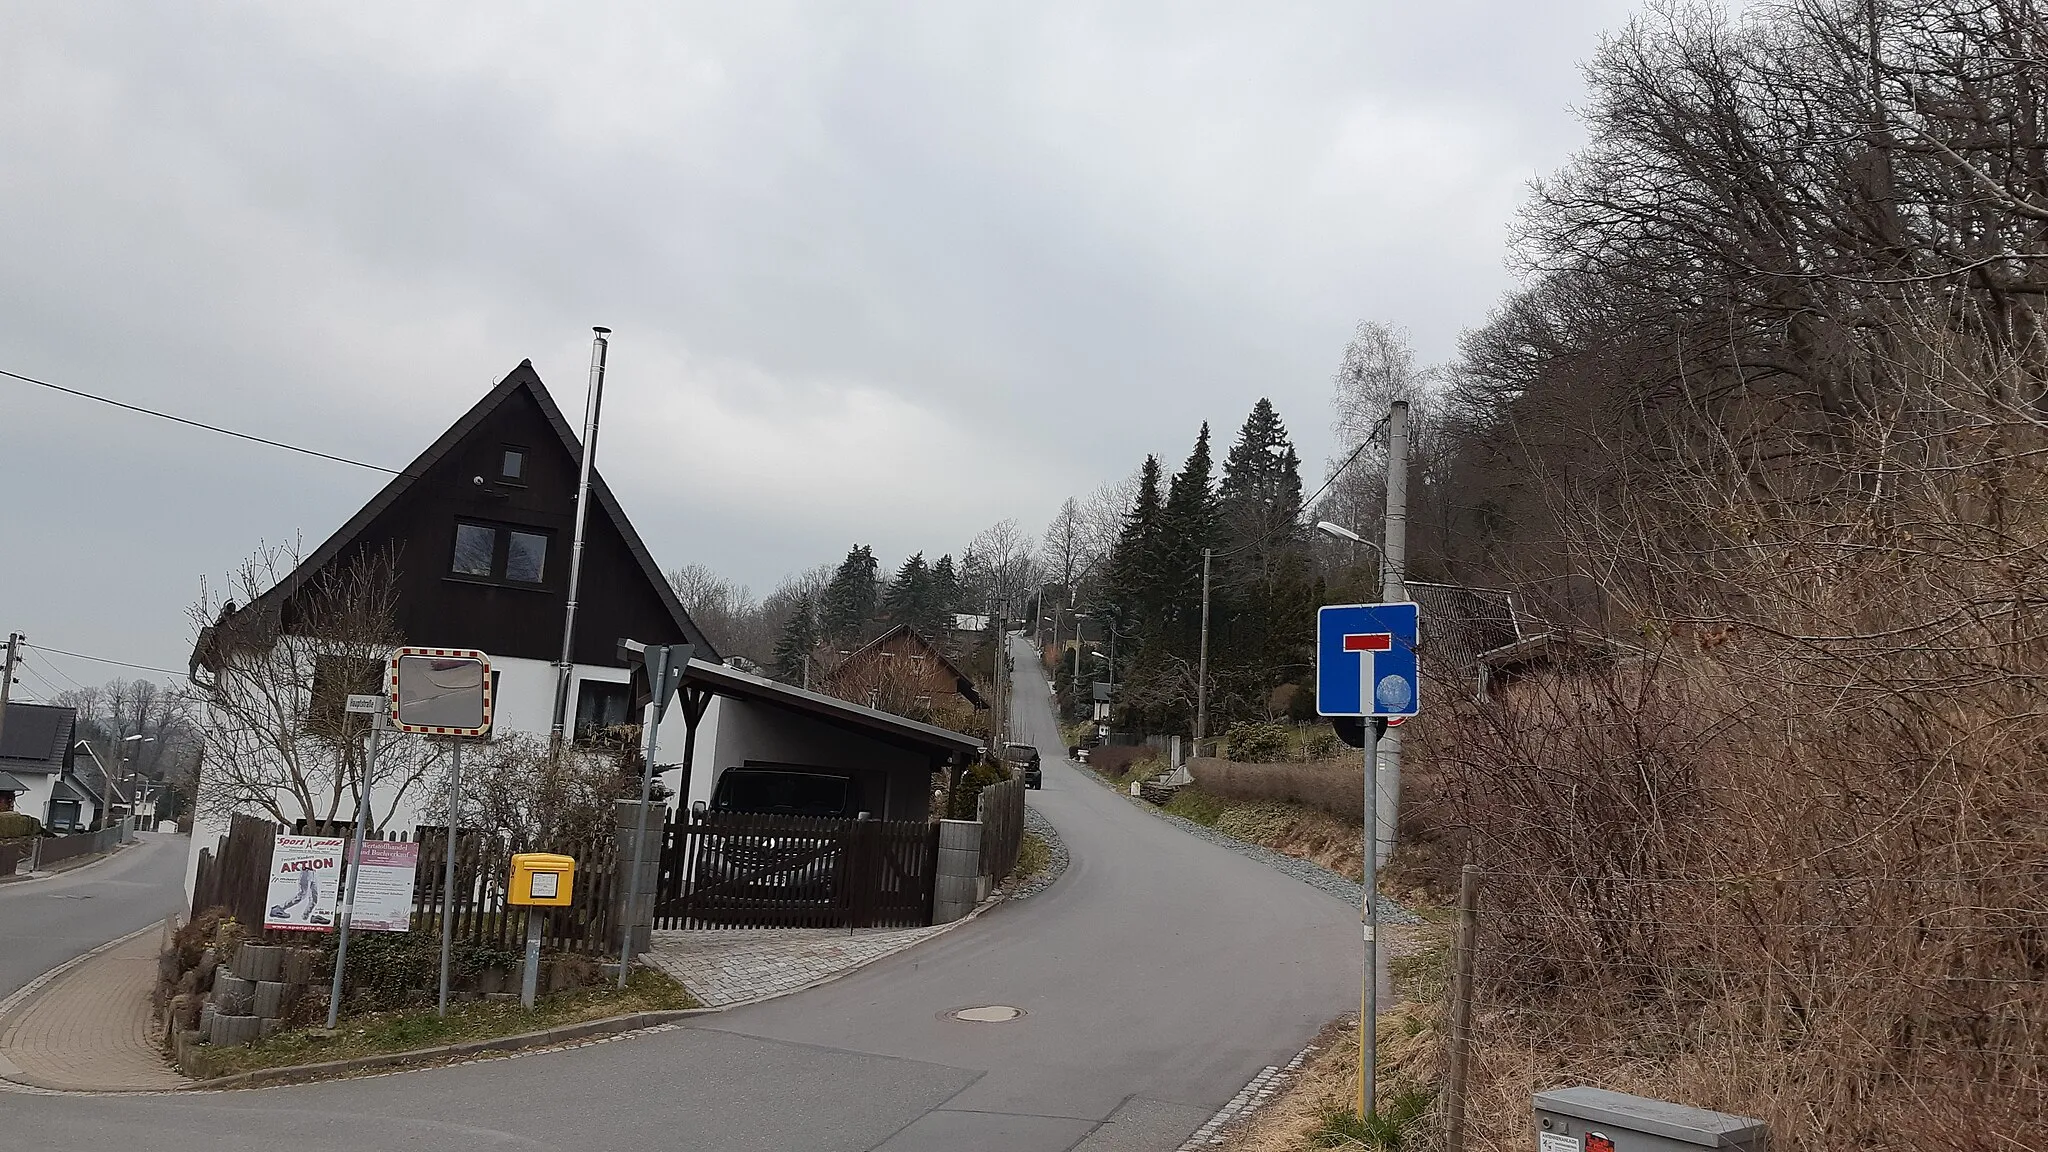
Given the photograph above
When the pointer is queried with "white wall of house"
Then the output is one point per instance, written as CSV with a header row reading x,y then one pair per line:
x,y
36,801
523,703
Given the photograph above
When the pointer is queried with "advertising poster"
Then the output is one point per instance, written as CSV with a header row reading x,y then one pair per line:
x,y
305,882
384,887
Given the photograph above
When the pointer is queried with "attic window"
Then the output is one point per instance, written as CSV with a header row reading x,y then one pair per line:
x,y
512,465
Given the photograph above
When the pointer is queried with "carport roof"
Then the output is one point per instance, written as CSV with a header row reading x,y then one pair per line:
x,y
887,726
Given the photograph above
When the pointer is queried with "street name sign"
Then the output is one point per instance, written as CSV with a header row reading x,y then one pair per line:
x,y
1365,660
368,702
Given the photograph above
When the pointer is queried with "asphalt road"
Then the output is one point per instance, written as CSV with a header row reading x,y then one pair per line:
x,y
45,922
1156,977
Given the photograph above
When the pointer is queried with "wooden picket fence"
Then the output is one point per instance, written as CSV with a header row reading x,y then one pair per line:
x,y
748,870
236,876
1000,808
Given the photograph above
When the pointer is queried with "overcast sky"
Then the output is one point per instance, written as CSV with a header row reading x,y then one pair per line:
x,y
878,273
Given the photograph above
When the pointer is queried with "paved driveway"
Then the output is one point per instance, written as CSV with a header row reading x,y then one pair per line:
x,y
1156,977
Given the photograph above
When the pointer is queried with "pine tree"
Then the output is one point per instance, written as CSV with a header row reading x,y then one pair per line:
x,y
945,590
798,640
1187,525
909,599
847,613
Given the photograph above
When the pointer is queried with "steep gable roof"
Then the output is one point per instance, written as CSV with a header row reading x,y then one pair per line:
x,y
37,737
522,378
868,651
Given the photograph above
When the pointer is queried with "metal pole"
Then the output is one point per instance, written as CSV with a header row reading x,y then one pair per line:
x,y
592,402
1369,913
448,868
1393,589
1202,661
650,726
1461,1008
529,981
355,857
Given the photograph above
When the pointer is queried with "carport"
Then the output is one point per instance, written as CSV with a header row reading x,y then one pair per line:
x,y
735,719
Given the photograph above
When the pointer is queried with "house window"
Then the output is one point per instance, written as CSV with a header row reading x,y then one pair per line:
x,y
491,552
600,705
526,556
335,678
512,465
475,546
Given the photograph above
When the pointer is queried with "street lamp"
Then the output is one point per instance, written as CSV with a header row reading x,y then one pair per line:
x,y
121,763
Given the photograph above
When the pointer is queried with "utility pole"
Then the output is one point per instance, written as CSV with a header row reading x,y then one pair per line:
x,y
1393,589
591,404
14,640
1202,660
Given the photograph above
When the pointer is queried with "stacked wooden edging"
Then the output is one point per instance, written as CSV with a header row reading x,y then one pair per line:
x,y
243,996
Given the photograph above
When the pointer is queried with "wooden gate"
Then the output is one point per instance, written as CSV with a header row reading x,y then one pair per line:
x,y
747,870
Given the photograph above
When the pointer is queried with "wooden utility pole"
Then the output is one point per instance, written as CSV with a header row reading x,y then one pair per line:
x,y
14,640
1464,946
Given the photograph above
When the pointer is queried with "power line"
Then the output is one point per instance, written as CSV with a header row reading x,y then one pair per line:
x,y
200,424
52,666
103,660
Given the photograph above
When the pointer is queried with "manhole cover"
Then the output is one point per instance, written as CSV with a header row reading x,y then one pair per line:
x,y
987,1014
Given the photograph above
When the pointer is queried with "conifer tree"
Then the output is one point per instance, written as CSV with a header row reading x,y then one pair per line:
x,y
794,646
847,614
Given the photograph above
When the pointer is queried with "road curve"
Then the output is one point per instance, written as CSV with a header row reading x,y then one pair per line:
x,y
45,922
1156,977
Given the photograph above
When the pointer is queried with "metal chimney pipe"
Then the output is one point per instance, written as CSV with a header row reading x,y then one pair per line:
x,y
592,402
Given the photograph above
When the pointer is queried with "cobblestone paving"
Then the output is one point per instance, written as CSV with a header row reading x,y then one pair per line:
x,y
89,1029
722,967
1315,875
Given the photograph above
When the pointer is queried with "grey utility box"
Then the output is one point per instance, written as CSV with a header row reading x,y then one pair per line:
x,y
1595,1120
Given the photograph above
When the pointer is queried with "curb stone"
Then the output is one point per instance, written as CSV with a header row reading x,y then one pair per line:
x,y
545,1038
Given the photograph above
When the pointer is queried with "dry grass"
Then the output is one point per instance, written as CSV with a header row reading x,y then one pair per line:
x,y
1335,787
1410,1044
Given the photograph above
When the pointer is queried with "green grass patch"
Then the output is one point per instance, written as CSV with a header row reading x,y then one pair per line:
x,y
1033,856
1192,803
1388,1128
382,1033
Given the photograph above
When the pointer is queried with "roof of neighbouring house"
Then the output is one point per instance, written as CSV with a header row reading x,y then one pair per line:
x,y
887,727
522,377
37,737
964,685
1556,645
1460,623
12,783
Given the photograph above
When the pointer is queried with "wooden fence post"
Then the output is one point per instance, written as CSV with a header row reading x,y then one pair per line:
x,y
1465,943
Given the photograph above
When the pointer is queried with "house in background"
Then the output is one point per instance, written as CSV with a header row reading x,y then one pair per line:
x,y
902,671
37,750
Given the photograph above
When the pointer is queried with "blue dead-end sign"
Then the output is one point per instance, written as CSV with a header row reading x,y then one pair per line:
x,y
1365,660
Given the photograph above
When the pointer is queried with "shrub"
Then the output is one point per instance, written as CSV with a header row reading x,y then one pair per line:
x,y
1254,743
17,825
967,794
1118,760
1333,786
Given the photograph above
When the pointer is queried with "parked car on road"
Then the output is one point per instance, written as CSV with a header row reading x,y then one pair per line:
x,y
1023,760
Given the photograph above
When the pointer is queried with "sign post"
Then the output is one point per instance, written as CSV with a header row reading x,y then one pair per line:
x,y
444,692
355,856
1365,667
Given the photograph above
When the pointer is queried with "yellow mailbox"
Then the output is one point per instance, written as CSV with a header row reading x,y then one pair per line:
x,y
541,878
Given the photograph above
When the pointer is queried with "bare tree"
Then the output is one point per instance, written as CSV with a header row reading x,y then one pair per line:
x,y
273,678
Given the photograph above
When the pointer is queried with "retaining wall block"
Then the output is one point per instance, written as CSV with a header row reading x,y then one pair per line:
x,y
235,1028
233,995
259,961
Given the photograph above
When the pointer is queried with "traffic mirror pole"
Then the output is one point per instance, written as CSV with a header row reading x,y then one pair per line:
x,y
448,869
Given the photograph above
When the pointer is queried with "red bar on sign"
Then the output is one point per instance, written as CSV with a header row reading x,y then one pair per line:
x,y
1369,642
